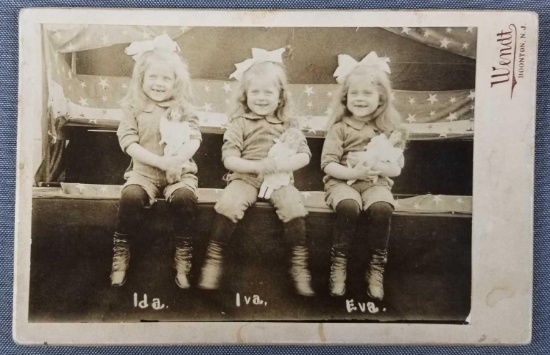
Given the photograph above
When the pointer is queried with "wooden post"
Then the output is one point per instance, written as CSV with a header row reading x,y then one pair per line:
x,y
73,62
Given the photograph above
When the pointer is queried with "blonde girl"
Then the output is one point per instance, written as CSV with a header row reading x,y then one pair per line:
x,y
160,86
260,114
362,110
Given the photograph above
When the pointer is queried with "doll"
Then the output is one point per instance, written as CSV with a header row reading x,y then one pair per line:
x,y
174,133
381,149
284,147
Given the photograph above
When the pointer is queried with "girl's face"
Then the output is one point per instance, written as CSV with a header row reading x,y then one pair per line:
x,y
262,96
158,82
363,98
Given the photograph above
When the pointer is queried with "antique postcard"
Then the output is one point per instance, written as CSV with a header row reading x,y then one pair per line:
x,y
275,177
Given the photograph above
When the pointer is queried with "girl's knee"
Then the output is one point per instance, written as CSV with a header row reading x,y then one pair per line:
x,y
287,213
133,196
288,203
131,208
348,210
380,210
235,200
184,199
235,215
232,209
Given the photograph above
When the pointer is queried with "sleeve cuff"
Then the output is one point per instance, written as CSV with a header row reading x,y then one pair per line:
x,y
196,136
326,162
230,153
127,141
306,151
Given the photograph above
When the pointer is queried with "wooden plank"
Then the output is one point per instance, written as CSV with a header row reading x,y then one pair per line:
x,y
428,276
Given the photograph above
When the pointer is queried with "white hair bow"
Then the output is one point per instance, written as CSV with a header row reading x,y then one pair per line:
x,y
258,56
161,43
347,64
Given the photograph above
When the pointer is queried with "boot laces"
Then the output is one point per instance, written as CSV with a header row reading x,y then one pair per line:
x,y
182,258
212,268
338,270
339,261
376,270
300,272
214,253
121,254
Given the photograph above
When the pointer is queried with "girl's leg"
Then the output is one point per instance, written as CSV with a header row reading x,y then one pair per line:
x,y
296,233
182,221
378,217
130,213
212,269
235,200
347,213
291,210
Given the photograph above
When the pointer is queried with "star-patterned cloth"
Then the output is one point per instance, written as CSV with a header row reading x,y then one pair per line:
x,y
314,200
72,38
93,100
458,40
435,204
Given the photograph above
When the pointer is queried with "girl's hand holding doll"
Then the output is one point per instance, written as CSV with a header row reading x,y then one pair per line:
x,y
171,163
275,165
292,163
342,172
353,159
364,172
388,169
268,166
245,166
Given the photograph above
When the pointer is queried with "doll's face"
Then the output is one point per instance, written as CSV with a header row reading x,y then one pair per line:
x,y
395,137
175,115
292,140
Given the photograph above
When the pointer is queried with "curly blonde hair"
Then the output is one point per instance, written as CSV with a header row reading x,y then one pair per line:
x,y
274,71
385,117
135,99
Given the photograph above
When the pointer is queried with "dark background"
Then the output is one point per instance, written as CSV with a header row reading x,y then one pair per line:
x,y
8,113
431,166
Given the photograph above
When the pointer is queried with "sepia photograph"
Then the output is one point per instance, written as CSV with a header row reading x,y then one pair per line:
x,y
210,173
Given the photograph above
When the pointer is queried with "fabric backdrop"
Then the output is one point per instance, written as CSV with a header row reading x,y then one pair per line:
x,y
89,91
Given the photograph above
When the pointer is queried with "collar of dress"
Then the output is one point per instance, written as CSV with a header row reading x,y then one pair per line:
x,y
151,106
269,118
358,125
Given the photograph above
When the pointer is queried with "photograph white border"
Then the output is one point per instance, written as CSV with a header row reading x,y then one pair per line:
x,y
502,234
